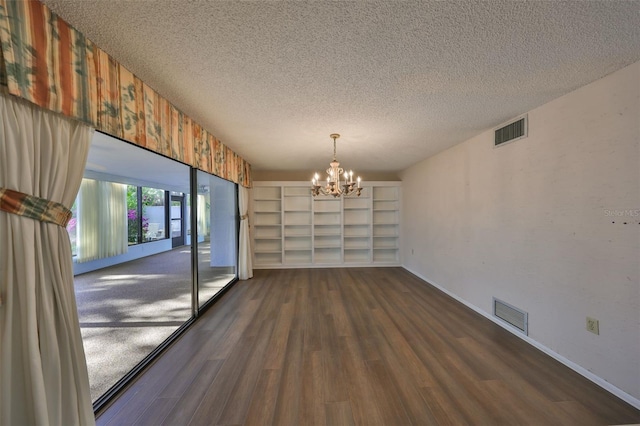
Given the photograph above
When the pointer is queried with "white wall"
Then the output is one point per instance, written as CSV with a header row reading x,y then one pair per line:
x,y
529,223
135,252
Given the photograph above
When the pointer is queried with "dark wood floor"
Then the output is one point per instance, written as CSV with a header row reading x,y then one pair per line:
x,y
355,346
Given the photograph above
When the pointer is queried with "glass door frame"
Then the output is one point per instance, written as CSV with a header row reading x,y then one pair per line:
x,y
180,239
106,399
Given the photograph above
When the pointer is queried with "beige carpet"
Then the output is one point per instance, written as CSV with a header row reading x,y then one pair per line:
x,y
127,310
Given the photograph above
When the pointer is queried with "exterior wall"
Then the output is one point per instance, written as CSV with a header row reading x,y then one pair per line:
x,y
532,223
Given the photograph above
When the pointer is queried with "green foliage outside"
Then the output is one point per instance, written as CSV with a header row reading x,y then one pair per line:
x,y
72,228
150,197
132,214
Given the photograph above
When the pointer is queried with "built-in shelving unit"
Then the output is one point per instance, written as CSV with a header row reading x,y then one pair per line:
x,y
327,227
293,229
386,224
297,225
267,225
356,233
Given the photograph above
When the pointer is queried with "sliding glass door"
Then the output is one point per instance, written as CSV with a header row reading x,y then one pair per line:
x,y
217,219
136,279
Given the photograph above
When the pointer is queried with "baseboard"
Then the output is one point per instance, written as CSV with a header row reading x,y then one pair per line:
x,y
572,365
328,265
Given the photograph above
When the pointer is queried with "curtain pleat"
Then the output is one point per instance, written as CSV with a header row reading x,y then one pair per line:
x,y
48,62
102,220
87,243
43,373
245,267
203,219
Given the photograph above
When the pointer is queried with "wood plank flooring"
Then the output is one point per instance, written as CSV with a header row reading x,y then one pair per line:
x,y
350,347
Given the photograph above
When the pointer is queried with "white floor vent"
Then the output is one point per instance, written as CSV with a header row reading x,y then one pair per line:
x,y
512,315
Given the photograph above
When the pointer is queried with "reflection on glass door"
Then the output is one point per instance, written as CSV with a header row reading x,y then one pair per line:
x,y
129,303
217,220
177,220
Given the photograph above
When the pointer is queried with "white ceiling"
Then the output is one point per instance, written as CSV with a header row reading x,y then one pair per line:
x,y
114,160
400,81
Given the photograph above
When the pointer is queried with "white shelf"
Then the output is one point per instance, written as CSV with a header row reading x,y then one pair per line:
x,y
264,220
385,246
297,191
291,227
356,203
386,225
299,219
386,193
297,204
386,255
297,246
357,256
326,232
327,255
298,256
297,231
359,245
267,192
267,259
327,220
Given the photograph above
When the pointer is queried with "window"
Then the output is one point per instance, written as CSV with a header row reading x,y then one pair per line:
x,y
146,213
153,214
134,216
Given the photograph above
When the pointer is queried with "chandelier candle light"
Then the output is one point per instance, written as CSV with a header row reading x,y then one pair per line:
x,y
335,186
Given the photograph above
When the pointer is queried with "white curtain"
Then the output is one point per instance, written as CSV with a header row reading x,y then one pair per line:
x,y
203,216
43,373
245,268
102,220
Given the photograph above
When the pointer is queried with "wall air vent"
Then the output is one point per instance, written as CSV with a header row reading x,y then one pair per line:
x,y
512,315
511,132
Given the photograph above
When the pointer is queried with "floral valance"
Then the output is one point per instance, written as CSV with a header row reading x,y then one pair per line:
x,y
49,63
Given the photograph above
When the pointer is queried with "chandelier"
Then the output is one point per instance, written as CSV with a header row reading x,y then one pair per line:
x,y
335,186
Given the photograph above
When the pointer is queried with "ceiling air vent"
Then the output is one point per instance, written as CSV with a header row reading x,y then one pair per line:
x,y
511,132
512,315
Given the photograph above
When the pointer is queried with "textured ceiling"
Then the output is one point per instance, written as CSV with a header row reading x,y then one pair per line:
x,y
399,80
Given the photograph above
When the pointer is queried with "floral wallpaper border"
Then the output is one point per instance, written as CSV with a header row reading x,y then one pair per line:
x,y
49,63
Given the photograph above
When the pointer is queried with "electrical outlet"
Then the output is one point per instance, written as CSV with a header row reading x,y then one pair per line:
x,y
593,325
